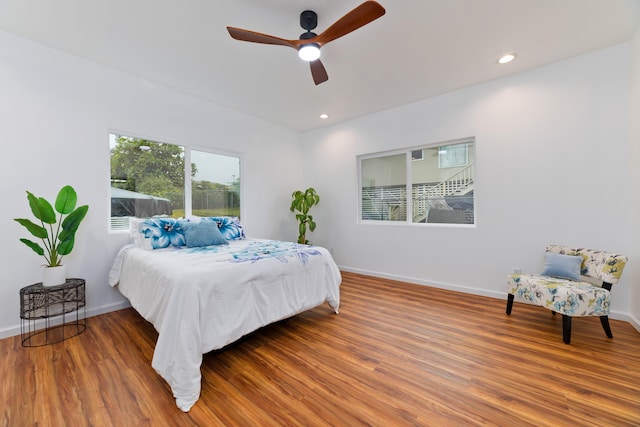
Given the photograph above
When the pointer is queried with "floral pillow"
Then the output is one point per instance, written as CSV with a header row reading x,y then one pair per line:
x,y
156,233
229,226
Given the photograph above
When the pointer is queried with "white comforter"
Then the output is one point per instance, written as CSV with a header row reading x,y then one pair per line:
x,y
201,299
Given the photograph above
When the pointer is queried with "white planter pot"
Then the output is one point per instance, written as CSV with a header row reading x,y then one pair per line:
x,y
53,276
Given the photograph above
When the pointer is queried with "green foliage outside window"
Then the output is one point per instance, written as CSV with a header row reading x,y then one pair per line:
x,y
149,167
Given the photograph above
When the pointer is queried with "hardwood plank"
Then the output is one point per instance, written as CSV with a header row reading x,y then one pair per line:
x,y
397,354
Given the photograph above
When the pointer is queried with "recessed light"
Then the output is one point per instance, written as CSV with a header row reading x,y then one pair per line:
x,y
506,58
324,116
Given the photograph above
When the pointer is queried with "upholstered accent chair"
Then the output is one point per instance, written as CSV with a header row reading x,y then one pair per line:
x,y
574,282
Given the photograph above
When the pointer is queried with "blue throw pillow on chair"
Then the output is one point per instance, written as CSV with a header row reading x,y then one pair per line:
x,y
563,266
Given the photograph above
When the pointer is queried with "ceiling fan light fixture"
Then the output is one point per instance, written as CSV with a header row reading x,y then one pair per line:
x,y
309,52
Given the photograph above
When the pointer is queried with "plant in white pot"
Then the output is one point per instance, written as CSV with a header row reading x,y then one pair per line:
x,y
56,233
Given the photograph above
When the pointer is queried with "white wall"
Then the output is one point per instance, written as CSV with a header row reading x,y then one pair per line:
x,y
634,161
550,148
551,167
55,115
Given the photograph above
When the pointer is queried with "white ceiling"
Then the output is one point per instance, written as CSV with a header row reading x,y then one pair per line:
x,y
418,49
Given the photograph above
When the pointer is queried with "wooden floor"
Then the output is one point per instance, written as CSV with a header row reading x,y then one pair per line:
x,y
396,355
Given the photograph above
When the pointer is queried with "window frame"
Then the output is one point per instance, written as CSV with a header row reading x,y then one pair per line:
x,y
408,187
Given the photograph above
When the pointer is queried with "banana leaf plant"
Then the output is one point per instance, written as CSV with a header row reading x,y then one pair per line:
x,y
301,203
57,233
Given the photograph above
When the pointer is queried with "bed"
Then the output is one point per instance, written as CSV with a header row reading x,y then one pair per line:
x,y
202,297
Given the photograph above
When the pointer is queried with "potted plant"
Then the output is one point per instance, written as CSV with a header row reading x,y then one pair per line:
x,y
56,233
301,203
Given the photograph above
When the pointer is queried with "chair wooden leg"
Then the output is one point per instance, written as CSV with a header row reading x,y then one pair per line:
x,y
605,325
509,303
566,329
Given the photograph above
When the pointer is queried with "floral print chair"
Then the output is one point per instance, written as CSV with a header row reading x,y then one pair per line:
x,y
570,285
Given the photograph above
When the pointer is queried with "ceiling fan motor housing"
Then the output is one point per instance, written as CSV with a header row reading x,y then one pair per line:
x,y
308,20
308,35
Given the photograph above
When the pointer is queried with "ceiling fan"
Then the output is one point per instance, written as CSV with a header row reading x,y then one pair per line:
x,y
309,43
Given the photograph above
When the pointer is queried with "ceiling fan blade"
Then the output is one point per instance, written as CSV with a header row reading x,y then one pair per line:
x,y
252,36
318,72
358,17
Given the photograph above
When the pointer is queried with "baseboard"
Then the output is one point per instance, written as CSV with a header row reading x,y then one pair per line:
x,y
431,283
635,322
94,311
616,315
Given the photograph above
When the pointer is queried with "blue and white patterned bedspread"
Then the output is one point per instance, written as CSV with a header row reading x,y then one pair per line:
x,y
257,250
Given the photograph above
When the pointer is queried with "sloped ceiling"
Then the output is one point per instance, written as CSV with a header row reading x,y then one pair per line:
x,y
419,49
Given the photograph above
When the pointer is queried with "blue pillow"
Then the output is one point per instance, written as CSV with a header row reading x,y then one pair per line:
x,y
203,233
563,266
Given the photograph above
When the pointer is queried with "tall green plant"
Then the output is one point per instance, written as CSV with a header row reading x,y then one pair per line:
x,y
57,234
301,203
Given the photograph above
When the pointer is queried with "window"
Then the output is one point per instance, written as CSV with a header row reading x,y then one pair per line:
x,y
148,179
451,156
384,184
438,189
215,188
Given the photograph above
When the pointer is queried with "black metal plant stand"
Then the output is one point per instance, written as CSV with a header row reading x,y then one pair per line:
x,y
40,306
